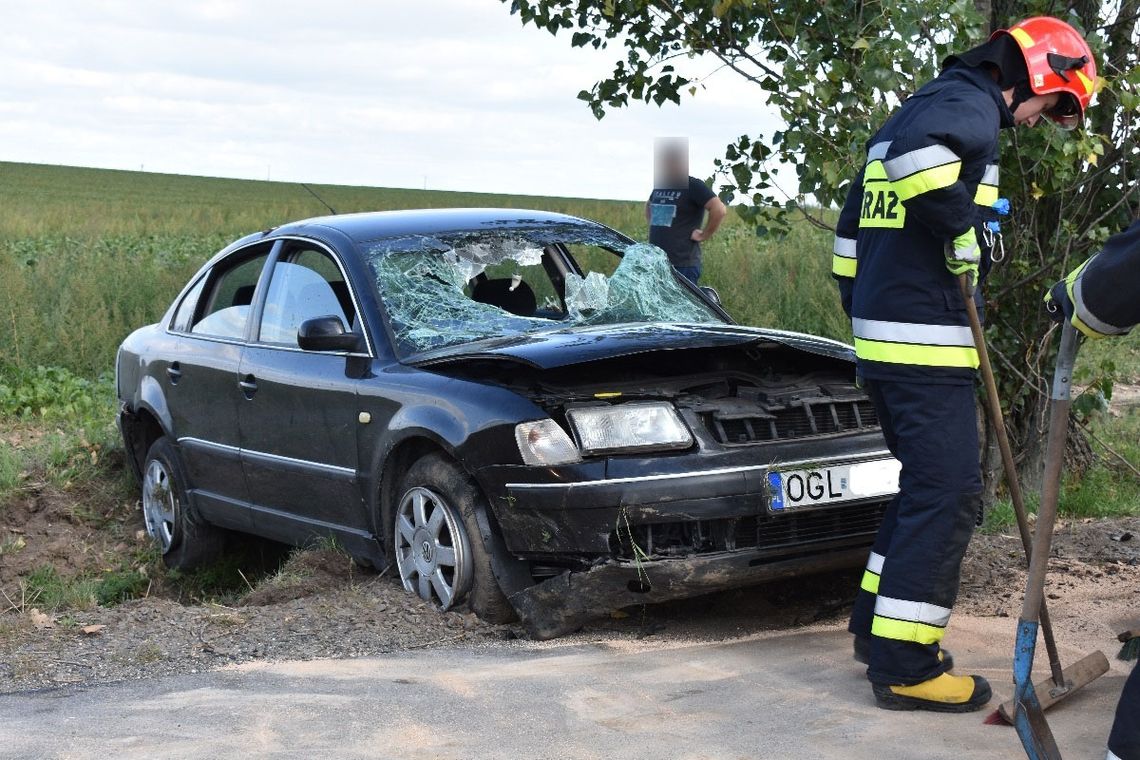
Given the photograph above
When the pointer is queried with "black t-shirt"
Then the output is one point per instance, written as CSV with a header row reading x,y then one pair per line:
x,y
673,215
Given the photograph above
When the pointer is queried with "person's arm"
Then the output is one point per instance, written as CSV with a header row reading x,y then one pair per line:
x,y
717,212
843,260
923,166
1101,297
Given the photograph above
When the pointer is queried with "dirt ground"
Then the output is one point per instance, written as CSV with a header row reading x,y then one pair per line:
x,y
320,605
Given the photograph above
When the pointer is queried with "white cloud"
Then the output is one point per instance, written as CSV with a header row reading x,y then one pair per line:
x,y
337,91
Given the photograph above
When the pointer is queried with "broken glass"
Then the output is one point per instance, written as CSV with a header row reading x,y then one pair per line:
x,y
429,288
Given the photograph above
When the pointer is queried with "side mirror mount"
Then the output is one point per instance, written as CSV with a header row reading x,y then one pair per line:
x,y
326,333
711,293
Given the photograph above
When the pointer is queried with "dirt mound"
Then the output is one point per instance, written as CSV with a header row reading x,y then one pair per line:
x,y
73,531
305,574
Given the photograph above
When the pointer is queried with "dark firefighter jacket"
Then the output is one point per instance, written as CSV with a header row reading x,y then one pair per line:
x,y
928,184
1102,296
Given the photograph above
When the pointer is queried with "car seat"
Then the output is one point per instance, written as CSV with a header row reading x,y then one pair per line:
x,y
520,301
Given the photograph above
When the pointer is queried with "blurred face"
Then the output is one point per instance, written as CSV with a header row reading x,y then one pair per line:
x,y
1031,111
671,163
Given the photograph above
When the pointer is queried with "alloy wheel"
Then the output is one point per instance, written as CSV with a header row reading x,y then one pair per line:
x,y
431,548
160,503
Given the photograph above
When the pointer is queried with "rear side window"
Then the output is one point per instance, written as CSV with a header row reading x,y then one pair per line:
x,y
225,309
306,284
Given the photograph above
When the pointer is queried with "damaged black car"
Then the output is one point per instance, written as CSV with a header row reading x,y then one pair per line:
x,y
521,411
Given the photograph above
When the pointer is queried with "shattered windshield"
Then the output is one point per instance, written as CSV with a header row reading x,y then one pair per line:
x,y
447,290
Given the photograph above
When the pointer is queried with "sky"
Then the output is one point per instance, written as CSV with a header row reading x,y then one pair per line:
x,y
443,94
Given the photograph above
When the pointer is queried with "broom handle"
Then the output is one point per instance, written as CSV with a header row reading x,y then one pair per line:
x,y
997,418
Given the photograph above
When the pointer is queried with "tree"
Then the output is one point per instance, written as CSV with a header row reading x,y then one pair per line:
x,y
835,69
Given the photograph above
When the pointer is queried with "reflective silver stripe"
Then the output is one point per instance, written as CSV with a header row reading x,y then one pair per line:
x,y
915,612
991,176
909,332
844,247
878,151
1112,756
1086,316
875,563
919,160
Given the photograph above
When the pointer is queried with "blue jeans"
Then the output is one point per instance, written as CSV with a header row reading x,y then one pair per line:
x,y
692,274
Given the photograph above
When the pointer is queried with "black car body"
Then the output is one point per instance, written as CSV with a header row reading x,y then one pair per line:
x,y
455,387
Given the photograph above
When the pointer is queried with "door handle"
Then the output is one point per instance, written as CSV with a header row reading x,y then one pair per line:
x,y
248,385
174,372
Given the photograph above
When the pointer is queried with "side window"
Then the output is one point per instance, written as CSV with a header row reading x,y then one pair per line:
x,y
226,308
306,284
184,317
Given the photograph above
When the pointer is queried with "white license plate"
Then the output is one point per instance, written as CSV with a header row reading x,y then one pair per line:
x,y
804,489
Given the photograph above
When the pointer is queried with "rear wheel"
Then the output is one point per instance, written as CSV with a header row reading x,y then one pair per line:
x,y
438,546
186,542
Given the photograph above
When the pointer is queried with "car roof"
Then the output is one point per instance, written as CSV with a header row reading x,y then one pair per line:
x,y
364,227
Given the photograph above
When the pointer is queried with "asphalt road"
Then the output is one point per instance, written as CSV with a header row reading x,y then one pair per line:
x,y
783,695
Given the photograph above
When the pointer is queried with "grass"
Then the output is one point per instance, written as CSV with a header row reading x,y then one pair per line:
x,y
88,255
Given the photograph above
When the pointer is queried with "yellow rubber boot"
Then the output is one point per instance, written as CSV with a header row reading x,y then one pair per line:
x,y
945,693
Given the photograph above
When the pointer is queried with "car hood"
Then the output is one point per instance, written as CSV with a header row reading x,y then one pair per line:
x,y
581,345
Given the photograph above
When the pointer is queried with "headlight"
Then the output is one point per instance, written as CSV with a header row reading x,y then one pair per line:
x,y
629,427
543,442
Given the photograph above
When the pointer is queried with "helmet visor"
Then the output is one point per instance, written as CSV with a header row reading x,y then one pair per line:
x,y
1066,114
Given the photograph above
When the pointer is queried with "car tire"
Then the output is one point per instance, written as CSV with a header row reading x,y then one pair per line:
x,y
187,542
441,490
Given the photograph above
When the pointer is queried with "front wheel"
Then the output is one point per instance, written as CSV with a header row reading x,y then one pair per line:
x,y
439,549
186,542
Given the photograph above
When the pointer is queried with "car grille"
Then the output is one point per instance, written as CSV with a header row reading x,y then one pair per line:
x,y
798,421
775,533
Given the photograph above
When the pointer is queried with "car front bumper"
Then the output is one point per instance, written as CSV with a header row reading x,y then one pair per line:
x,y
577,510
562,604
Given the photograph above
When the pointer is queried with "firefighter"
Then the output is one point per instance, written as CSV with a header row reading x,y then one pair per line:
x,y
912,223
1102,297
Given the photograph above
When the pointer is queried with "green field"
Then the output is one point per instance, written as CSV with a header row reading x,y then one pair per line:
x,y
87,255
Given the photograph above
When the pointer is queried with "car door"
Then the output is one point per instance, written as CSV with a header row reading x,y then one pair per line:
x,y
205,384
299,415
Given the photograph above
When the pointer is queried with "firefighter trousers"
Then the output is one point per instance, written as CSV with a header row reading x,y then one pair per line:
x,y
912,575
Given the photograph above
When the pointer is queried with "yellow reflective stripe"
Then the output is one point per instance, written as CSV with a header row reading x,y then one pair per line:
x,y
916,353
987,195
1022,37
927,180
841,266
1088,83
1088,331
906,630
874,172
870,582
